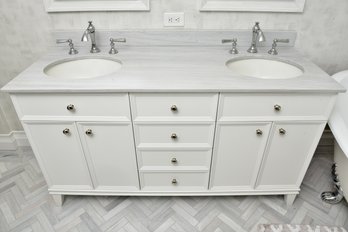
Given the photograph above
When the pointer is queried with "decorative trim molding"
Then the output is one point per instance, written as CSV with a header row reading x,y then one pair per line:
x,y
253,5
13,140
96,5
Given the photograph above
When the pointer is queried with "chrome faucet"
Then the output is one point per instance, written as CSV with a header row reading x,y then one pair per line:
x,y
90,33
258,36
72,50
112,45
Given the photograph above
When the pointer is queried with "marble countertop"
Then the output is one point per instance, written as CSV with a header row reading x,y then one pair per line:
x,y
173,69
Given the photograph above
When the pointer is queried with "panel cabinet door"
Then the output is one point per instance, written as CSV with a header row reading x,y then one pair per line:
x,y
58,149
238,151
110,152
288,155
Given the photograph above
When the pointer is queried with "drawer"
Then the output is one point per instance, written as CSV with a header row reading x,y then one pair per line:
x,y
174,134
73,104
175,158
263,105
174,105
174,181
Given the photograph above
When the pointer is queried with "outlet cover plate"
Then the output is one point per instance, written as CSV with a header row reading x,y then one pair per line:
x,y
174,19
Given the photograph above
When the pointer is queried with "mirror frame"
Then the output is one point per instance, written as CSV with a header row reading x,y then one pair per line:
x,y
96,5
253,5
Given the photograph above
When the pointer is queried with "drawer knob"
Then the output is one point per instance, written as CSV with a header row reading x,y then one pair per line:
x,y
70,107
174,181
282,131
174,108
174,136
259,132
277,107
66,131
174,160
89,132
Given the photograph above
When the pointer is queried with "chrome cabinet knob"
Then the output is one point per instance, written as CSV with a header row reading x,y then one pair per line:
x,y
66,131
70,107
174,136
174,108
174,160
259,132
277,107
89,132
282,131
174,181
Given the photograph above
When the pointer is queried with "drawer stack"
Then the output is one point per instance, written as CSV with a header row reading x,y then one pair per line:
x,y
174,137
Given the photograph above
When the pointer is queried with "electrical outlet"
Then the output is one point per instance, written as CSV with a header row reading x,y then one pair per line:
x,y
174,19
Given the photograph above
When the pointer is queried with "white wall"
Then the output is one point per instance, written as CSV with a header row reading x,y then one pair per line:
x,y
25,26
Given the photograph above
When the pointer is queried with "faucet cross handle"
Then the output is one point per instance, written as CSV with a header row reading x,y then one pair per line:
x,y
234,49
112,44
273,50
72,50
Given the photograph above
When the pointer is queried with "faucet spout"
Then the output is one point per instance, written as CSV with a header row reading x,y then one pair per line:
x,y
89,33
261,36
85,36
257,36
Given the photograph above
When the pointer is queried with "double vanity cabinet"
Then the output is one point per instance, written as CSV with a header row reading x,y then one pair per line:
x,y
184,118
173,143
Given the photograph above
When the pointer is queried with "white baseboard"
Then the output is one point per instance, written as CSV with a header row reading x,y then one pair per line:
x,y
13,140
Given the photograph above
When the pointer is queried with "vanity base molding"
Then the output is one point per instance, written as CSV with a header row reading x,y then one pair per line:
x,y
58,196
174,144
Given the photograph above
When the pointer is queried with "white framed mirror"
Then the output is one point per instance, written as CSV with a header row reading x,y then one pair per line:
x,y
96,5
253,5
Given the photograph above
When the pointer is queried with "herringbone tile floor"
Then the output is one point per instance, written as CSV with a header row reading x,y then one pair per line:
x,y
25,205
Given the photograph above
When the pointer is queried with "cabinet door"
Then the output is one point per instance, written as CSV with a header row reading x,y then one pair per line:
x,y
288,155
237,155
58,149
110,152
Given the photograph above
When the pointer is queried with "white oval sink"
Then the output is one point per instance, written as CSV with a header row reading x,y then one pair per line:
x,y
264,68
82,67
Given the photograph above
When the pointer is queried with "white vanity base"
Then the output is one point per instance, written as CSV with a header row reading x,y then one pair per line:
x,y
174,144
